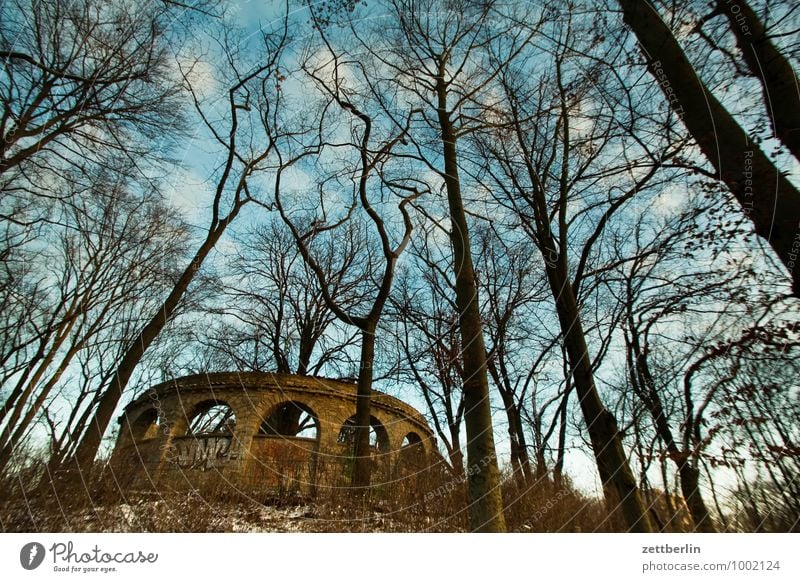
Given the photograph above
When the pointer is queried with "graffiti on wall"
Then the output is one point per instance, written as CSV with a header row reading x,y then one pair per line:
x,y
201,453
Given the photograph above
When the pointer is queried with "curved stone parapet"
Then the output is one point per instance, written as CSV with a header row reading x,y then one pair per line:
x,y
262,431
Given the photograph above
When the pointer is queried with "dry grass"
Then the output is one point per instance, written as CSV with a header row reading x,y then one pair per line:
x,y
429,500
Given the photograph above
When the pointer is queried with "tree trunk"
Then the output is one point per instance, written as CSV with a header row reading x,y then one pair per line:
x,y
690,487
647,493
689,476
485,496
454,452
765,194
20,389
362,461
519,457
22,427
558,467
520,461
16,402
524,457
771,68
619,484
541,466
305,351
673,511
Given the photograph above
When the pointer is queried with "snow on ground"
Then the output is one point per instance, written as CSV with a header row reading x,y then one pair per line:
x,y
194,514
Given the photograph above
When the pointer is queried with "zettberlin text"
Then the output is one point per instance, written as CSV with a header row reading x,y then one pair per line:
x,y
665,549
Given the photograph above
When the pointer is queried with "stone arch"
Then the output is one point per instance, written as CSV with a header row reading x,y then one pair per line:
x,y
248,455
412,449
145,426
291,418
205,438
378,435
412,439
211,417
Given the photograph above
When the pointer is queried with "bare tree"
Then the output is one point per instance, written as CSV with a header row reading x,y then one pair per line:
x,y
274,316
512,287
565,163
757,416
373,152
718,307
82,82
105,267
235,134
437,57
428,340
767,63
654,291
765,194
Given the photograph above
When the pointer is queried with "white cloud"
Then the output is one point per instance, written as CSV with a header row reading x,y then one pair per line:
x,y
669,201
199,74
190,194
